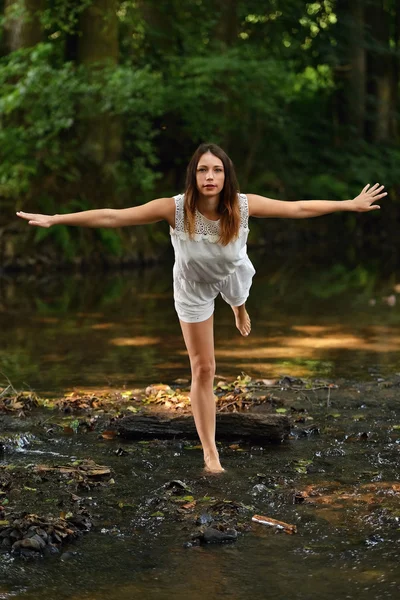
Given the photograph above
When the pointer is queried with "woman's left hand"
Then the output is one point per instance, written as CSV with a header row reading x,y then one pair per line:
x,y
364,201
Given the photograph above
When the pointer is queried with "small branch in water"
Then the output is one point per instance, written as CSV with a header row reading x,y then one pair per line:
x,y
328,401
302,395
10,385
227,405
274,523
4,392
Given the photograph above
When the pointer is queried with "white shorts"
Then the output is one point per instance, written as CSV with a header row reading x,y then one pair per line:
x,y
194,300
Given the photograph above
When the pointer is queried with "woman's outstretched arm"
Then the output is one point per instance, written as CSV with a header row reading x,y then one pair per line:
x,y
151,212
302,209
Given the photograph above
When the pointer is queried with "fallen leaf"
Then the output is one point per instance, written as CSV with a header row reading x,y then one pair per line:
x,y
108,435
189,505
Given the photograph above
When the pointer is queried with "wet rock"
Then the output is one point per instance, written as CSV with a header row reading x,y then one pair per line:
x,y
308,432
81,521
15,534
373,540
31,543
259,488
27,553
5,532
177,486
214,536
68,555
50,550
32,536
37,539
314,469
287,380
204,519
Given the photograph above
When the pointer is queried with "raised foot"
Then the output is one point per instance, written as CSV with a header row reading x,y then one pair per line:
x,y
242,320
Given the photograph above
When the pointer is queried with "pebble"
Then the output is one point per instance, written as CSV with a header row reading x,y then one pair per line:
x,y
259,488
204,519
214,536
68,555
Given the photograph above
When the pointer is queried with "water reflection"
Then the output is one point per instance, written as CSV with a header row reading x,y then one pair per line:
x,y
120,329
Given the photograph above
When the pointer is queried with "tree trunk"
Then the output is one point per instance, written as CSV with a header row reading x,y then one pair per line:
x,y
230,426
99,29
350,74
158,29
227,26
396,73
25,30
97,47
382,74
226,34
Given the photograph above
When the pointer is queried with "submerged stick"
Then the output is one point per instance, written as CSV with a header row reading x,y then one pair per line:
x,y
274,523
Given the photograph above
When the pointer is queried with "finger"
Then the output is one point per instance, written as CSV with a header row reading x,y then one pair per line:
x,y
365,189
379,189
375,207
374,187
25,215
379,196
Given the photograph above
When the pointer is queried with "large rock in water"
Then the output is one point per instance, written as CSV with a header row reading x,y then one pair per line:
x,y
230,426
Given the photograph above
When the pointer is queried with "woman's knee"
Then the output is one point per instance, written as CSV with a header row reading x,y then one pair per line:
x,y
203,368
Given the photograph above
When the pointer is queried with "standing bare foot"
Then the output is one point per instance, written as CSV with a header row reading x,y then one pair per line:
x,y
242,319
212,464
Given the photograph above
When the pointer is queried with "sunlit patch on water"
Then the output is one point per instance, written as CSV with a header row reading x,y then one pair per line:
x,y
135,341
314,322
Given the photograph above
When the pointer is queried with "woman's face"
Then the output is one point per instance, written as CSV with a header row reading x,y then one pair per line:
x,y
210,175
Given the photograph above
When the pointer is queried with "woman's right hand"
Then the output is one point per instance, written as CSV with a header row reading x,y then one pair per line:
x,y
37,220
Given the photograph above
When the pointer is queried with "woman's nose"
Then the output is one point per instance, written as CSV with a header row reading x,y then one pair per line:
x,y
210,175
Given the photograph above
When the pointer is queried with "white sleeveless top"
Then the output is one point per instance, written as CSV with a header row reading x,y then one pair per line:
x,y
202,258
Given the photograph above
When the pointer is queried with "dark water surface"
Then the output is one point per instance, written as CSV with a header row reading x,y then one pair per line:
x,y
121,330
348,550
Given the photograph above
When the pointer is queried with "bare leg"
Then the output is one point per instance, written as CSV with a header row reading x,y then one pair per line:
x,y
199,340
242,319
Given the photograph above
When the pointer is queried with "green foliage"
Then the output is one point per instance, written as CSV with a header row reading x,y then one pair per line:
x,y
65,238
69,239
41,134
63,15
230,108
339,278
264,83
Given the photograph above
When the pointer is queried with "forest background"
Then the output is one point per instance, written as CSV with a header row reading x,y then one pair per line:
x,y
102,103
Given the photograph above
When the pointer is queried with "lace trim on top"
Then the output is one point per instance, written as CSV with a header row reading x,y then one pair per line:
x,y
204,228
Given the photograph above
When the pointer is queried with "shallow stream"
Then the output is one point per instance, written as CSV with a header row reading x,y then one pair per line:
x,y
335,478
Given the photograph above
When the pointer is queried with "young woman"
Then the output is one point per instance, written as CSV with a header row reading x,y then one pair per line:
x,y
209,229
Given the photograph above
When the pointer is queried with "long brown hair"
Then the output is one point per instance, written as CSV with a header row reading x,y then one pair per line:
x,y
228,206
